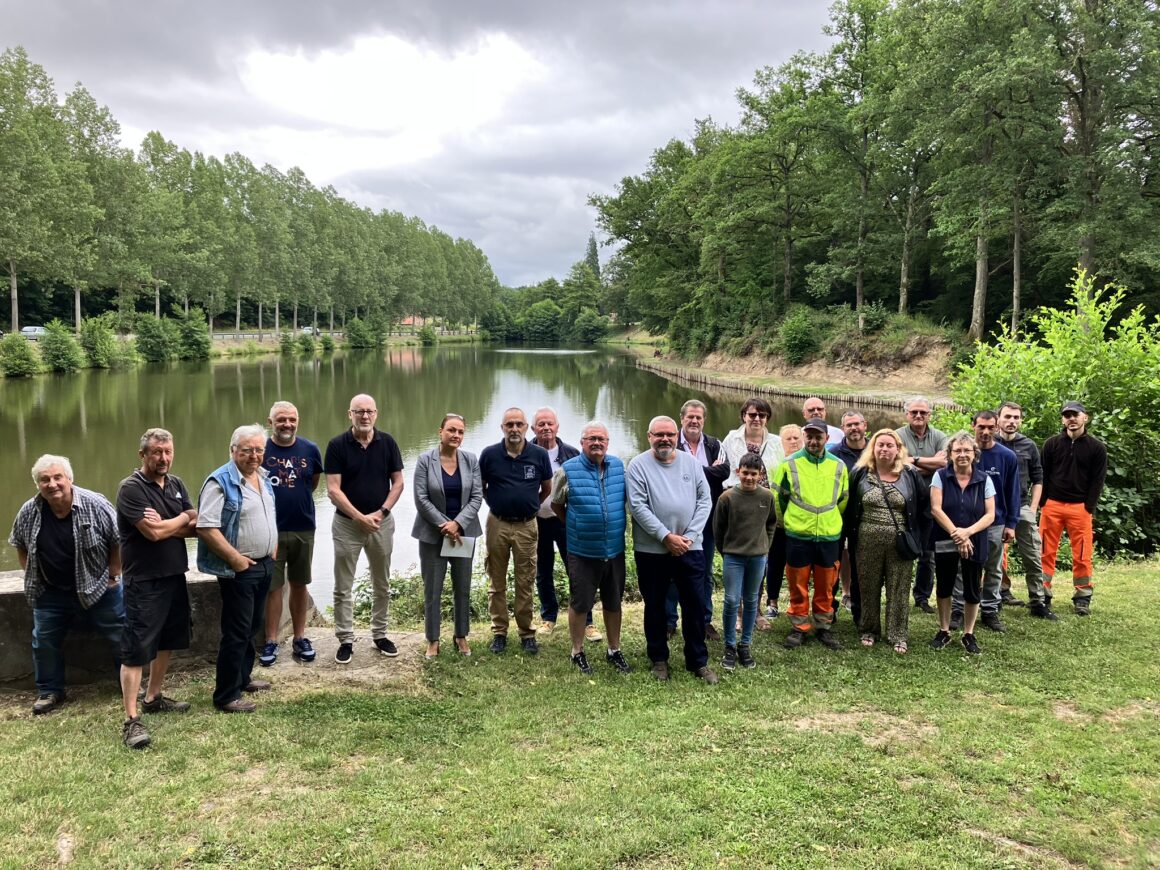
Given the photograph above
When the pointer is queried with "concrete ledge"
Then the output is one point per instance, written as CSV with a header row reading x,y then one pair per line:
x,y
87,657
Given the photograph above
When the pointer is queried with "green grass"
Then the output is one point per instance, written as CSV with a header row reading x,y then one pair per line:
x,y
1042,752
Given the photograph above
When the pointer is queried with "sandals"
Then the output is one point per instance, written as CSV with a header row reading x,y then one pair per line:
x,y
867,640
900,647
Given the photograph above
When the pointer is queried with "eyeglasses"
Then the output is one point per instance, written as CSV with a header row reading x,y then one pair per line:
x,y
919,413
669,435
595,439
250,451
363,412
757,415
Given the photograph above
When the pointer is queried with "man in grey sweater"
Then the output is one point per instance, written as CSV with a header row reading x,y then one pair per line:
x,y
669,501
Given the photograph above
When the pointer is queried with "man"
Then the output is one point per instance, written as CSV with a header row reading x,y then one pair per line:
x,y
1027,528
706,450
1074,467
364,479
927,447
154,517
517,477
1002,466
815,409
549,529
66,540
294,465
237,531
850,451
811,488
669,499
588,496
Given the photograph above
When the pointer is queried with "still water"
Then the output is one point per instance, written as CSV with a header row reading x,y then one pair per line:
x,y
96,418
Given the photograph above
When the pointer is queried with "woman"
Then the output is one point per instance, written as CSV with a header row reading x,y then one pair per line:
x,y
791,442
962,502
448,493
752,436
886,496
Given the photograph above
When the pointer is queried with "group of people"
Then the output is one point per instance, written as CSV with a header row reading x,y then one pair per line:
x,y
850,512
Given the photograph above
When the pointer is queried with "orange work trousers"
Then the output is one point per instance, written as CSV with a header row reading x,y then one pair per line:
x,y
1056,518
803,558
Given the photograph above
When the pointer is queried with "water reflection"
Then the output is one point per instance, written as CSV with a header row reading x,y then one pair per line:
x,y
96,417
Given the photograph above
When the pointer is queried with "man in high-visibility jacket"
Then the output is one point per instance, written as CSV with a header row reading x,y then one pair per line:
x,y
812,487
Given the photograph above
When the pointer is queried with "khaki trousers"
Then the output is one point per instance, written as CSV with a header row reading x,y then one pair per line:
x,y
518,541
349,541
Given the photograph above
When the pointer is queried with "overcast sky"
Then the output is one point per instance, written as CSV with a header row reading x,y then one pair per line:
x,y
491,120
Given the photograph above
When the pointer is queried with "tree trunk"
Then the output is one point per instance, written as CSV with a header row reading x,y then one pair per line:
x,y
157,300
259,320
907,243
238,311
186,300
860,274
979,303
14,296
332,318
315,321
1016,263
277,318
787,247
77,309
295,315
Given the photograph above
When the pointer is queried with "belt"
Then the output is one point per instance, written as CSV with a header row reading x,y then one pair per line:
x,y
515,519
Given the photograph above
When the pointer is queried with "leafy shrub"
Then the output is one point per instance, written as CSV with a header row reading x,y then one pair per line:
x,y
306,343
427,336
590,327
124,354
286,343
1081,352
156,341
193,340
874,316
59,349
360,335
541,322
18,358
497,324
98,340
798,336
327,342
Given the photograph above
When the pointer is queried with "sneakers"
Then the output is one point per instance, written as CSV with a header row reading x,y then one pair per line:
x,y
826,638
744,656
592,634
134,735
581,661
925,607
711,632
386,647
498,643
729,660
940,640
794,639
660,670
617,660
771,611
992,621
162,704
1042,611
971,645
47,702
530,646
345,653
1083,606
707,674
269,654
846,601
956,620
1007,599
546,627
303,650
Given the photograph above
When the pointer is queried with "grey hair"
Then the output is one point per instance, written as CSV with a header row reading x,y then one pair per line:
x,y
963,435
546,409
593,424
693,403
161,436
46,462
652,423
250,430
912,400
281,403
852,413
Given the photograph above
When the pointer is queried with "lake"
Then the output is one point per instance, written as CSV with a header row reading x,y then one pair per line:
x,y
96,417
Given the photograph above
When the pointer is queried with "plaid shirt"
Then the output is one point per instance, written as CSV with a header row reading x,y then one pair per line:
x,y
94,524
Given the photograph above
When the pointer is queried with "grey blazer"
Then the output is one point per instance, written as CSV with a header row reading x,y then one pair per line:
x,y
432,504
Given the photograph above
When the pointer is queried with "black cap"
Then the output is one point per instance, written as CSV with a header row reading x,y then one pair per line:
x,y
1073,406
817,424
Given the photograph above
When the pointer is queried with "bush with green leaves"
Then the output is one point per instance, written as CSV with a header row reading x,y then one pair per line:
x,y
541,322
427,336
99,341
1092,352
306,343
18,358
193,339
59,350
359,334
156,339
590,326
798,336
286,343
327,342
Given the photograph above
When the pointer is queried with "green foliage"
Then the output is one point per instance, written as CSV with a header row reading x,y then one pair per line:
x,y
327,342
98,340
798,336
193,339
875,315
286,343
497,324
590,327
362,334
1111,363
427,336
18,358
156,338
59,349
541,322
306,343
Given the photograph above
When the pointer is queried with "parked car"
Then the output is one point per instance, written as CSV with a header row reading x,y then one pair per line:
x,y
33,333
310,330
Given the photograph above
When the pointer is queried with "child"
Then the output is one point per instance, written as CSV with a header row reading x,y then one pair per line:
x,y
743,526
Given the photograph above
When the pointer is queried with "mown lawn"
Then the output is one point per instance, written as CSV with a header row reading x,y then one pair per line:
x,y
1042,752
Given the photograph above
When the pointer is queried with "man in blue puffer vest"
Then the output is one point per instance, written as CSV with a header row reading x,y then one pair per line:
x,y
588,495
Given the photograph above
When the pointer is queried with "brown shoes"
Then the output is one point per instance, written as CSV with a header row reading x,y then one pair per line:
x,y
660,670
256,686
707,674
238,705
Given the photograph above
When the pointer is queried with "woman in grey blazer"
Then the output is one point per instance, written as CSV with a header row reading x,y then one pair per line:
x,y
448,492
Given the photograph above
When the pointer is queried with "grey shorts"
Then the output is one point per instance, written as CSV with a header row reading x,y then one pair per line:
x,y
587,576
295,553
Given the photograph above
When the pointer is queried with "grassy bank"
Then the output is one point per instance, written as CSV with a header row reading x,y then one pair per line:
x,y
1042,752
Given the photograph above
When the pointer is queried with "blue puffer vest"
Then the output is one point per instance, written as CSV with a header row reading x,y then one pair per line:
x,y
964,507
596,516
230,480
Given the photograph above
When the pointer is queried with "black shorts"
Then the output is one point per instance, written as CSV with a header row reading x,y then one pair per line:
x,y
586,576
157,617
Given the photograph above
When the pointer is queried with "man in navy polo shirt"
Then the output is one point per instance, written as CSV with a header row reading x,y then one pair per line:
x,y
517,477
364,479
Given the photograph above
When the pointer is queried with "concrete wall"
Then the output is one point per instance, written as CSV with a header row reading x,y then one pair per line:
x,y
87,656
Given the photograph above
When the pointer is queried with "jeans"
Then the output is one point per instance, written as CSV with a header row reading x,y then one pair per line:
x,y
707,547
992,577
656,572
742,584
243,615
54,613
552,533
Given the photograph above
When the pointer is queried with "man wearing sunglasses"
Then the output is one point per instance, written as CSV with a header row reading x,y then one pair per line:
x,y
927,447
1074,467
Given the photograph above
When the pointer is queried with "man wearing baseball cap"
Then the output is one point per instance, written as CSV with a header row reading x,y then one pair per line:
x,y
1074,467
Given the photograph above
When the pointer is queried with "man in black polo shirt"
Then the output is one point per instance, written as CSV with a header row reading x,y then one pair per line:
x,y
364,479
517,477
154,517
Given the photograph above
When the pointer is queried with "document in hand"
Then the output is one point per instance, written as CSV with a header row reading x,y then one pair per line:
x,y
465,549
